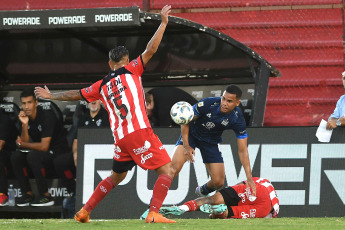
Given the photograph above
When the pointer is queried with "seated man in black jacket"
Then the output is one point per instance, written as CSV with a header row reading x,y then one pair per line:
x,y
44,136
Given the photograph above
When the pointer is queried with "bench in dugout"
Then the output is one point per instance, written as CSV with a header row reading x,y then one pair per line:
x,y
55,189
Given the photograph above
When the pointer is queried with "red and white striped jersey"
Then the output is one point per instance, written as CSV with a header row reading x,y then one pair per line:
x,y
271,191
122,94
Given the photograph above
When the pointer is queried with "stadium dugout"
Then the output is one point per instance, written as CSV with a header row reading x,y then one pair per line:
x,y
68,49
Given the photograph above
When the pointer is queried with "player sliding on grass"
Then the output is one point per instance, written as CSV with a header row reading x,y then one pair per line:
x,y
238,202
135,143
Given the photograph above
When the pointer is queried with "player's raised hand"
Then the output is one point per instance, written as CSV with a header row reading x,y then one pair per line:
x,y
42,93
23,118
165,12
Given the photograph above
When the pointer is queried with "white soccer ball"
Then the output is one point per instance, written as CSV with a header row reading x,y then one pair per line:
x,y
182,113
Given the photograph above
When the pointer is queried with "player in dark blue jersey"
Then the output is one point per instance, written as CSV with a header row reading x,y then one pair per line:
x,y
212,116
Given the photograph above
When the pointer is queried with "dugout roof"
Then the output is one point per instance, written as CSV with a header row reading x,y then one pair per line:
x,y
69,49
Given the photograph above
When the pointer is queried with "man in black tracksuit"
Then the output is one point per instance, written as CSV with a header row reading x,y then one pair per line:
x,y
44,138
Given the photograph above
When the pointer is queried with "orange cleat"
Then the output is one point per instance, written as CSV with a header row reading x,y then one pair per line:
x,y
154,217
82,216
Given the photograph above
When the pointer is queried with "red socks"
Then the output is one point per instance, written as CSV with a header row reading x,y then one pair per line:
x,y
160,191
103,188
192,205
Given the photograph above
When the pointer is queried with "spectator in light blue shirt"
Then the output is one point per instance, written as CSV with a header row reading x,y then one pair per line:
x,y
338,116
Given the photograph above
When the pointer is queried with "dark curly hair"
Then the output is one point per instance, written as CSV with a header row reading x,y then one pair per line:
x,y
118,53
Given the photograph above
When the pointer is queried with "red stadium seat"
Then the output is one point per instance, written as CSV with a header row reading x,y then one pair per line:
x,y
182,4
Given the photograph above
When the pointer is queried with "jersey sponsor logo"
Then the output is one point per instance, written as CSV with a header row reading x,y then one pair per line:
x,y
117,150
142,149
208,115
103,189
117,156
249,195
114,82
39,127
88,89
244,215
135,62
252,213
242,196
209,125
146,157
225,122
116,93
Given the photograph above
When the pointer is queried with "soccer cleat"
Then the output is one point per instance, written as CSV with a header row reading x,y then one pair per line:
x,y
199,193
3,199
43,201
144,215
173,210
82,216
216,209
154,217
24,201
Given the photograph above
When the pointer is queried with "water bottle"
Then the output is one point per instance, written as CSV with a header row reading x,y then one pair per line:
x,y
11,201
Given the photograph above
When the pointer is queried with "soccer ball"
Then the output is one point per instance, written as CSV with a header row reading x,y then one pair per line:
x,y
181,113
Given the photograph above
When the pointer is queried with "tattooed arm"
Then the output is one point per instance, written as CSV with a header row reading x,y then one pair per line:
x,y
72,95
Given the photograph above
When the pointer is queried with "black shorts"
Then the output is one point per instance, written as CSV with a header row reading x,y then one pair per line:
x,y
123,166
230,196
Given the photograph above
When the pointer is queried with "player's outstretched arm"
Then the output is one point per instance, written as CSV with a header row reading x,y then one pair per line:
x,y
244,158
153,44
72,95
188,151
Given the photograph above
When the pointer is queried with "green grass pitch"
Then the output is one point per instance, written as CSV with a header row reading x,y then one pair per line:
x,y
253,224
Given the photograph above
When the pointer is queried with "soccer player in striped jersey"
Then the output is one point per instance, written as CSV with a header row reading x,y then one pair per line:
x,y
122,94
238,202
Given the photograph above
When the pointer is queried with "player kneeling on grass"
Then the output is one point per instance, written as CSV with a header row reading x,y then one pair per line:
x,y
234,202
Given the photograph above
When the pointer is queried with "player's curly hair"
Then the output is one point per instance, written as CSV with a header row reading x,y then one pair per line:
x,y
118,53
233,89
